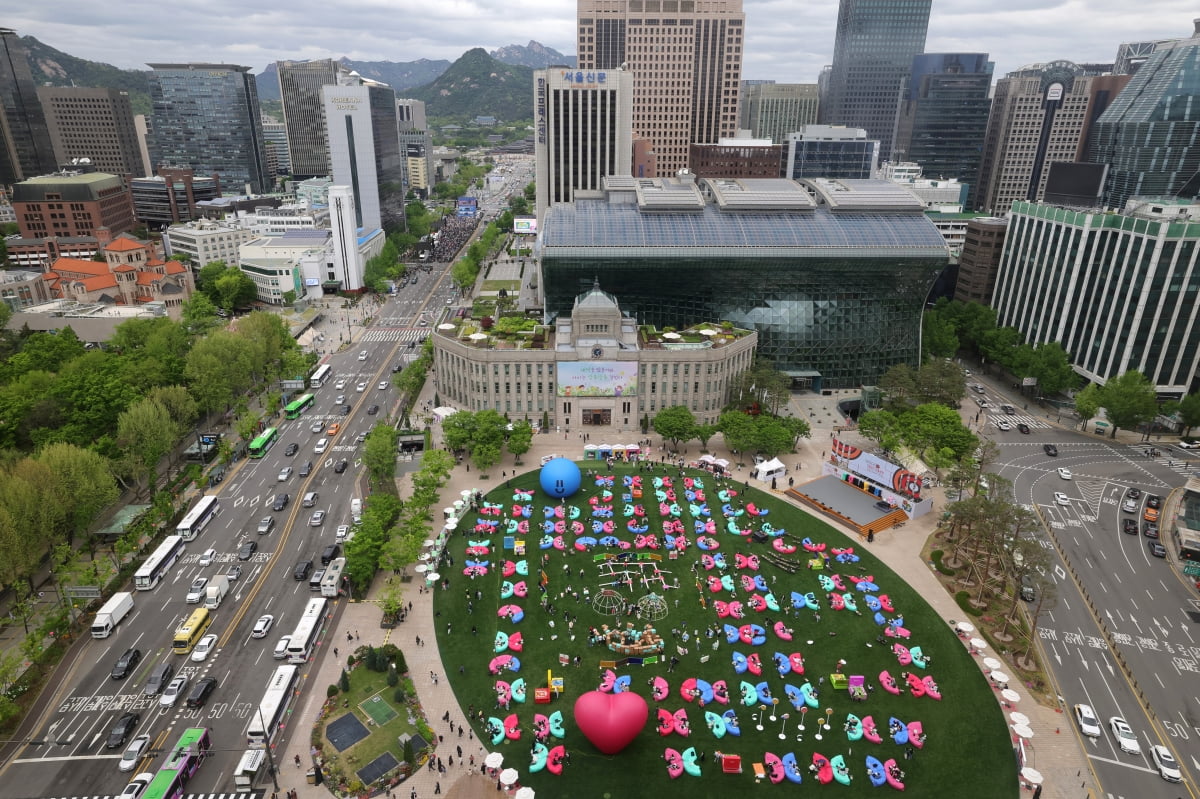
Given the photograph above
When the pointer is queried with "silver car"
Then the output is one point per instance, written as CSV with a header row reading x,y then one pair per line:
x,y
317,519
133,753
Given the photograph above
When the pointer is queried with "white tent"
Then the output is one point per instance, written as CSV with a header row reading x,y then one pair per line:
x,y
769,469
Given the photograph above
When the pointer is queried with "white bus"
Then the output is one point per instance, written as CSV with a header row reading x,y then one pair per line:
x,y
321,376
158,564
331,583
198,518
266,720
307,629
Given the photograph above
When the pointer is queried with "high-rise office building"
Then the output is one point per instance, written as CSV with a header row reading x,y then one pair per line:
x,y
582,131
364,147
300,85
1148,134
25,147
206,116
944,114
1040,115
1117,290
686,60
872,55
773,110
275,135
96,124
411,114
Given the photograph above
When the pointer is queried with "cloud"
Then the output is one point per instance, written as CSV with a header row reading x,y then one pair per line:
x,y
785,41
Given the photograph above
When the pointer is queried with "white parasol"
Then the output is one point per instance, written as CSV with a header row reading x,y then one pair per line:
x,y
445,326
477,336
965,627
978,643
524,792
991,664
428,542
1032,775
421,568
508,776
494,760
1022,730
999,677
706,332
1019,718
1009,695
672,336
432,577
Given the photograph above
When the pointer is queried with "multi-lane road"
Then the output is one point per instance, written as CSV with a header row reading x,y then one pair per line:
x,y
73,761
1117,635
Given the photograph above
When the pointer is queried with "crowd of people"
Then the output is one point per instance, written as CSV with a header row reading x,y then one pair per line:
x,y
454,233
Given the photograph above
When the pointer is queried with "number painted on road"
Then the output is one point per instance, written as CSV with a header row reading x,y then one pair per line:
x,y
242,709
1109,501
1177,730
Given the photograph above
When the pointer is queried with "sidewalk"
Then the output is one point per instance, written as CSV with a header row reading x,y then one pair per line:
x,y
1053,750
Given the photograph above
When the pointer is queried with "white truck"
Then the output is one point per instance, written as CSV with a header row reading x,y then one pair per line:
x,y
248,767
110,615
217,588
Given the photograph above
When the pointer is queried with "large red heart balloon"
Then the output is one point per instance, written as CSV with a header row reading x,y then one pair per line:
x,y
611,721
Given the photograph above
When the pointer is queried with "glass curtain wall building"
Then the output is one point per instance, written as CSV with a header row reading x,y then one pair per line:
x,y
832,275
206,117
944,114
26,150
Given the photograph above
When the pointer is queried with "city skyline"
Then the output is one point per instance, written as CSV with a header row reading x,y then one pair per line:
x,y
781,45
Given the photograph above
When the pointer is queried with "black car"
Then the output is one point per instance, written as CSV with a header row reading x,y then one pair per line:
x,y
345,410
300,572
306,469
1022,427
1150,529
340,466
1153,500
1156,549
292,449
1050,449
126,663
397,367
121,731
371,411
247,550
1129,526
281,501
1134,493
201,691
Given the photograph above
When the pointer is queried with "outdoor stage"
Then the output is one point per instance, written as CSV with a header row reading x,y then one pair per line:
x,y
845,503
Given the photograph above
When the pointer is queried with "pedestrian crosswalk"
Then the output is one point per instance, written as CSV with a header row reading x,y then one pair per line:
x,y
395,334
1034,422
1173,459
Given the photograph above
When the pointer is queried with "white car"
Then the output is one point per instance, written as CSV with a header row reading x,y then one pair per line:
x,y
281,647
1064,473
1130,506
262,626
133,753
340,384
1002,424
361,386
1089,725
1168,769
138,784
195,594
1061,498
383,385
285,474
1124,735
1188,445
321,446
340,399
317,426
208,557
203,649
343,530
173,691
362,356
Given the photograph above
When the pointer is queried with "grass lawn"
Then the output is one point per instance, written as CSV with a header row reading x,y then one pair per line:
x,y
364,683
967,747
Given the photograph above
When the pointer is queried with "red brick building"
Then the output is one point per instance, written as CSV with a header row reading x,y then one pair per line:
x,y
131,274
70,204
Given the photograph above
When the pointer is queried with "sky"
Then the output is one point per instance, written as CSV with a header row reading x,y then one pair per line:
x,y
786,40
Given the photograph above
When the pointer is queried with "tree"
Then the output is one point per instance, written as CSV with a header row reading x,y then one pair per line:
x,y
773,435
938,335
180,405
83,485
520,439
200,314
30,519
1129,400
704,432
218,368
1051,365
899,385
1088,402
147,433
379,454
882,427
997,345
485,455
1189,412
737,427
675,424
936,426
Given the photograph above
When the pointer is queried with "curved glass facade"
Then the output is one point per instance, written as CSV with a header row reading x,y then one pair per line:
x,y
841,322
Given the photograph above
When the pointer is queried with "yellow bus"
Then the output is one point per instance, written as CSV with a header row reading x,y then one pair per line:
x,y
192,630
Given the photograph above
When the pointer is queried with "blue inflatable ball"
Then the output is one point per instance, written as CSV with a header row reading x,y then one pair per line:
x,y
560,478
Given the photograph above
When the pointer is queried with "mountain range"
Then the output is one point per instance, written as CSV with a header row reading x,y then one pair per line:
x,y
495,84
